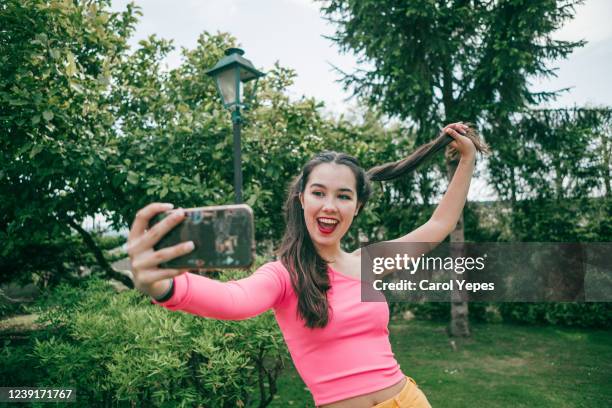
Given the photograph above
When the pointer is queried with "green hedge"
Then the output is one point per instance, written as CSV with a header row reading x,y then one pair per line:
x,y
121,350
440,311
593,315
590,315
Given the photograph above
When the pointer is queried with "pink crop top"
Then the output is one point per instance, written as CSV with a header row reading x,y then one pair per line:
x,y
351,356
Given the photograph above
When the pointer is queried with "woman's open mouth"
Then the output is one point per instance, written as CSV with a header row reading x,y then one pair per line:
x,y
327,225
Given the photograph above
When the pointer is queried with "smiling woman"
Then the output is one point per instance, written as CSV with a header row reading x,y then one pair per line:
x,y
339,344
329,203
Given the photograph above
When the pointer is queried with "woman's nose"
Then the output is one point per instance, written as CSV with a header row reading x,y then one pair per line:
x,y
329,205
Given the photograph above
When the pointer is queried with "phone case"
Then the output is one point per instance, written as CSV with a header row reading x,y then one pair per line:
x,y
223,237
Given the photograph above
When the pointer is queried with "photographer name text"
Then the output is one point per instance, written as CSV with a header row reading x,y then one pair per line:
x,y
433,286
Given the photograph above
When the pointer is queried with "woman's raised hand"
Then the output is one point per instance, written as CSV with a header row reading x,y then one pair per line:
x,y
148,277
462,144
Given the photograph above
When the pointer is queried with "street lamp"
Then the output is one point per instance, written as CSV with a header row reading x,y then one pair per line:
x,y
230,73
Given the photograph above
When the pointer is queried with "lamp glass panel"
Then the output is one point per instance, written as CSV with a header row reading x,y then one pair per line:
x,y
227,85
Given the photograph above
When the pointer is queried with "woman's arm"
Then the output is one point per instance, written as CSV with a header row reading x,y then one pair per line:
x,y
445,217
192,293
233,300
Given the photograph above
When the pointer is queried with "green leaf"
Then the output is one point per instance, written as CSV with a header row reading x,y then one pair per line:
x,y
116,180
132,177
76,87
71,68
55,53
17,102
48,115
35,150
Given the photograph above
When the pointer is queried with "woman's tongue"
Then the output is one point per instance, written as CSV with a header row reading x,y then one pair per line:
x,y
326,228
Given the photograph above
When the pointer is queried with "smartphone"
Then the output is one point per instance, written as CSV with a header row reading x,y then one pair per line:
x,y
223,236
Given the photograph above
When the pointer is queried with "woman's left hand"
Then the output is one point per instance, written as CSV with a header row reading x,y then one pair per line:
x,y
461,143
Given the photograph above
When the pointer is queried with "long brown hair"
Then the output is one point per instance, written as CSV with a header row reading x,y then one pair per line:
x,y
308,270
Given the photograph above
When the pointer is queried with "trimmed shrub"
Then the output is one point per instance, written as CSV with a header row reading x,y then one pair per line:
x,y
592,315
121,350
588,315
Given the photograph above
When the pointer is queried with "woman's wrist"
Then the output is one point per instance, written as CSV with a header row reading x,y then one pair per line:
x,y
164,292
468,158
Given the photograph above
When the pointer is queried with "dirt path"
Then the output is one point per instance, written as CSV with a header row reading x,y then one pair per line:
x,y
21,323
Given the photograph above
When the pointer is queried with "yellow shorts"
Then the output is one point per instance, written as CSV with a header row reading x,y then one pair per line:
x,y
410,396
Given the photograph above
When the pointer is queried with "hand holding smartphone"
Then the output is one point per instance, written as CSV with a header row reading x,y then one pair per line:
x,y
223,237
165,243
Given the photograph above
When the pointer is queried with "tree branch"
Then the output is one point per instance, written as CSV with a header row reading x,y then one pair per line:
x,y
97,253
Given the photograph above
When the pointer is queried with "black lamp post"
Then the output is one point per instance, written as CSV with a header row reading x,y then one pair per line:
x,y
230,73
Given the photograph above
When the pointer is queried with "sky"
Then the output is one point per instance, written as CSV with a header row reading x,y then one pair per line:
x,y
292,33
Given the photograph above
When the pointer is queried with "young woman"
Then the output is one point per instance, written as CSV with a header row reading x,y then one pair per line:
x,y
339,344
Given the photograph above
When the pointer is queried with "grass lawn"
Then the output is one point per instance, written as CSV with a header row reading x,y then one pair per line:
x,y
499,366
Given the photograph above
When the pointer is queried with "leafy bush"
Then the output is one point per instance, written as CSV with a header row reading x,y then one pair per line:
x,y
592,315
121,350
440,311
17,364
8,309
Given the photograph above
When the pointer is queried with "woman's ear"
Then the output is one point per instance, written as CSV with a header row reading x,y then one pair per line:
x,y
302,200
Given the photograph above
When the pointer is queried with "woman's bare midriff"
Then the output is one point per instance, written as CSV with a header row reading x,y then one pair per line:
x,y
369,400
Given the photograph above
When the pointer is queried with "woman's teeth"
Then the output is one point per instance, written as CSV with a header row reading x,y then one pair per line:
x,y
328,221
327,225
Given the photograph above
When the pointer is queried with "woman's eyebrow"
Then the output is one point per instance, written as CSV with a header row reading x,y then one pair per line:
x,y
344,189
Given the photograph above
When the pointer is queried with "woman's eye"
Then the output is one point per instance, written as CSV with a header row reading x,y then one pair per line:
x,y
322,194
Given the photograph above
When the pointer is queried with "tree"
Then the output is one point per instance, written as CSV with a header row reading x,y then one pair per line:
x,y
56,128
175,140
444,61
556,177
89,127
